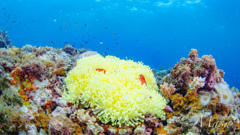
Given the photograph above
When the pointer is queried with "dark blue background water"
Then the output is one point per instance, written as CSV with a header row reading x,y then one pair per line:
x,y
155,32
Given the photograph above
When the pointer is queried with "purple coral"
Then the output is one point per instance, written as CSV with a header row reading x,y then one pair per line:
x,y
151,120
184,72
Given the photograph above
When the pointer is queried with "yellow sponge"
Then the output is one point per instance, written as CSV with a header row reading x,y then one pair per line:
x,y
121,91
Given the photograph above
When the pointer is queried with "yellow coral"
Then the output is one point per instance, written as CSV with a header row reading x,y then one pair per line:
x,y
122,90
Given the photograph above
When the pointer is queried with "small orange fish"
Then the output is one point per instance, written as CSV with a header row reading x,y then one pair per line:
x,y
142,79
104,71
189,80
152,71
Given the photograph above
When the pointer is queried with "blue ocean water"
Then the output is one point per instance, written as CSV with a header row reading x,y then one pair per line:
x,y
156,32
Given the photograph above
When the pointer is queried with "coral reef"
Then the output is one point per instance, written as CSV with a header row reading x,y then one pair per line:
x,y
203,102
34,85
31,79
184,72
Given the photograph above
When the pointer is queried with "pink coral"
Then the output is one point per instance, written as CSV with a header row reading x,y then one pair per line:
x,y
193,55
148,131
184,72
167,89
151,120
180,74
168,108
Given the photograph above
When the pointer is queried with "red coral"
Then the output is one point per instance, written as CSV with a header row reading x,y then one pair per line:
x,y
33,71
48,104
14,74
30,71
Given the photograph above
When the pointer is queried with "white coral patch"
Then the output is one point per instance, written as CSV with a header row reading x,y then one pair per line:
x,y
197,82
225,94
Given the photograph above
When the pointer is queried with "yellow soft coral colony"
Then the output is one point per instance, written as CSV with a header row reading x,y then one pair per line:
x,y
122,91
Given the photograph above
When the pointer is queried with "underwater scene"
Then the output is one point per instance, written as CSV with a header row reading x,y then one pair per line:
x,y
119,67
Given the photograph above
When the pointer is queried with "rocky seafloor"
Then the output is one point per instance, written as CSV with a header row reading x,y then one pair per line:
x,y
31,88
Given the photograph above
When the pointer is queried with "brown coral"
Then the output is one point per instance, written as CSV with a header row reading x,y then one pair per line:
x,y
167,89
193,55
63,125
